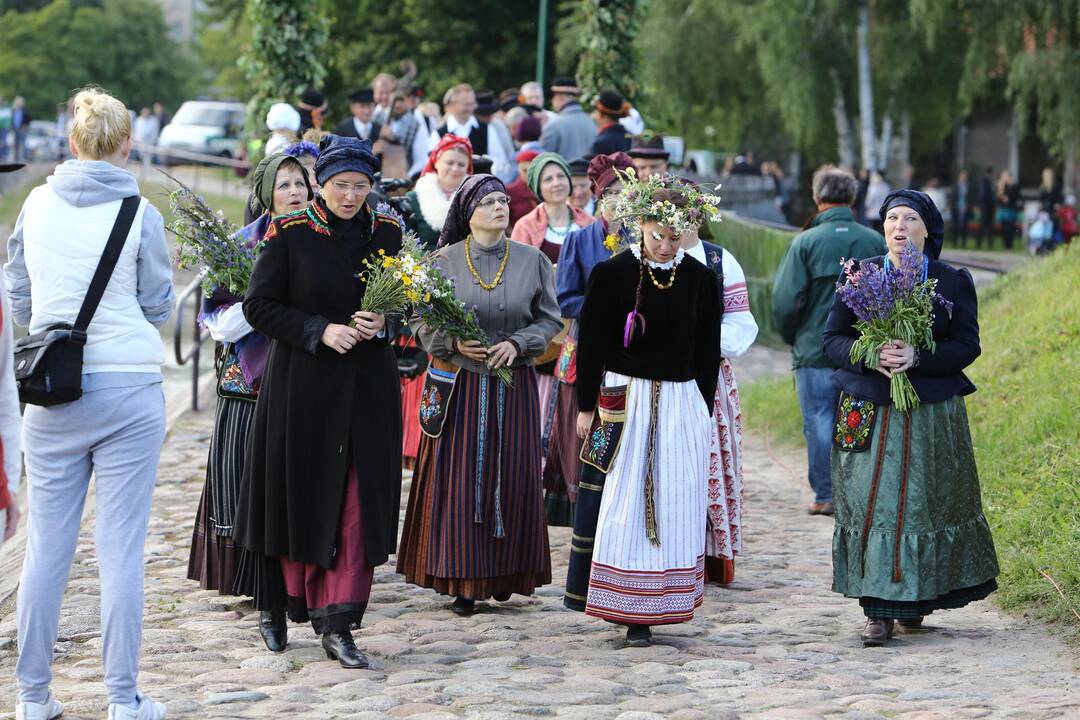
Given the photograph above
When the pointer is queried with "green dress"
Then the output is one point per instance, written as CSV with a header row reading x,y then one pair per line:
x,y
910,534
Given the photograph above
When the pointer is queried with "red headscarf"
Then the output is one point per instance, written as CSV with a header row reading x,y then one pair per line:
x,y
447,141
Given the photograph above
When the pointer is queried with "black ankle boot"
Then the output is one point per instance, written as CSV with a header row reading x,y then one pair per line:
x,y
340,646
463,606
638,636
501,597
274,630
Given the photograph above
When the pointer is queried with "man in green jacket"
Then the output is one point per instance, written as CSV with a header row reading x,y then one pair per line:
x,y
802,295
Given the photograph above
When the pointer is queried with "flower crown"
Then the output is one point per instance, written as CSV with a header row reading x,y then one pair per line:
x,y
636,202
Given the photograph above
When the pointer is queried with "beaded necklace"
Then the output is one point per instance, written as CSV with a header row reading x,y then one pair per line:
x,y
498,275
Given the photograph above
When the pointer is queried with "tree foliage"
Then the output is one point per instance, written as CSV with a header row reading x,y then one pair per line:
x,y
287,53
609,58
1031,46
122,46
488,43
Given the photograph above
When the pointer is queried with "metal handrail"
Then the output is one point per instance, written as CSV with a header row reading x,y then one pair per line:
x,y
199,334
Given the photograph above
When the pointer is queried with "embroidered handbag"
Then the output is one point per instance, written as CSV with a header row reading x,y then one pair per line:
x,y
602,442
854,423
231,382
435,397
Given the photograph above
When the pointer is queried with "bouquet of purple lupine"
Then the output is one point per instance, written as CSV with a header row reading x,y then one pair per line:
x,y
206,240
892,303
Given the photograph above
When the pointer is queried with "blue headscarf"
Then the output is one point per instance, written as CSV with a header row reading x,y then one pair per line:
x,y
344,154
921,203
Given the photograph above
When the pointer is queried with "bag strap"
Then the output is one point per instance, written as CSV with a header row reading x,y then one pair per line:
x,y
128,207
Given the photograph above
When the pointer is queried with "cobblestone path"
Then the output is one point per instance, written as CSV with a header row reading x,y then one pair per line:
x,y
776,644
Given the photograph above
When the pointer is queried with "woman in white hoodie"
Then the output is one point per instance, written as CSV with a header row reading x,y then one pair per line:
x,y
116,428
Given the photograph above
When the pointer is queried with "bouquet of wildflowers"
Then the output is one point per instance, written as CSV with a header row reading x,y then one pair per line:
x,y
441,310
395,282
206,240
892,304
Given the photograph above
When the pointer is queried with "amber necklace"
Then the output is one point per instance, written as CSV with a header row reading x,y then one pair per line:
x,y
657,283
502,265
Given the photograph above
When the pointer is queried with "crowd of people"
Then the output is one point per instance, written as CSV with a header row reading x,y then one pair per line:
x,y
604,399
983,208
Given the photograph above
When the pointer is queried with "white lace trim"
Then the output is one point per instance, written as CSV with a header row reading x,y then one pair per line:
x,y
434,205
679,255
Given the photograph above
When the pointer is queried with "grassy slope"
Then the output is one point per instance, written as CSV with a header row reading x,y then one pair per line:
x,y
1024,423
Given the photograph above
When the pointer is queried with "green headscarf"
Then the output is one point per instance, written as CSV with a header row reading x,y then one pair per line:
x,y
536,167
262,181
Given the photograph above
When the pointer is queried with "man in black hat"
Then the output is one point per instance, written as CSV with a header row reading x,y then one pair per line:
x,y
489,111
581,195
312,107
572,131
608,109
649,156
362,124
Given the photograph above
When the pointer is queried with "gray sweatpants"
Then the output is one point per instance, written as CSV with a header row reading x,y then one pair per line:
x,y
115,433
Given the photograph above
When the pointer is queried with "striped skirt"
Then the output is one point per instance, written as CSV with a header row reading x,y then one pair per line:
x,y
634,579
723,539
474,526
214,558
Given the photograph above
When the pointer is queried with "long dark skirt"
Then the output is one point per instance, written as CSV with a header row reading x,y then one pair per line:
x,y
587,513
562,468
214,558
333,599
475,520
910,534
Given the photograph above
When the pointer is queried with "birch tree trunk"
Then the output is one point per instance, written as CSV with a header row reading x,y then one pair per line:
x,y
885,143
866,86
845,143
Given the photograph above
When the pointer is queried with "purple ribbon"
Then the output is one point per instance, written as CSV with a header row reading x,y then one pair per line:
x,y
632,319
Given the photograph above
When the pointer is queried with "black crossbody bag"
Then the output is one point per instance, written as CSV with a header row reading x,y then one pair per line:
x,y
48,364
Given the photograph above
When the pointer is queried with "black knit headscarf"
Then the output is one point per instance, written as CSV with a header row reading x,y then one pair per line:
x,y
921,203
463,204
344,154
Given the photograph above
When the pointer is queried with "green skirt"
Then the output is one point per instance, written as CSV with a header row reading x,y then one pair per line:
x,y
910,532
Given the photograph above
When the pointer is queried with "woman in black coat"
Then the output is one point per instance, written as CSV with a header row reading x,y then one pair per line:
x,y
322,482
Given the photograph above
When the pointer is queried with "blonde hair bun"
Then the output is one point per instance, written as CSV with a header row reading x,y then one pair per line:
x,y
101,124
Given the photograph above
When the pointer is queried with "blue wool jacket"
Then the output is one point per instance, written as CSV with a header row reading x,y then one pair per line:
x,y
581,251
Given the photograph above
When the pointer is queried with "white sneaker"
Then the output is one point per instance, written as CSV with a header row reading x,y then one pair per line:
x,y
148,710
51,708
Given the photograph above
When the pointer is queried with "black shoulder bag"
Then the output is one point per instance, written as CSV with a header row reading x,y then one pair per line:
x,y
48,364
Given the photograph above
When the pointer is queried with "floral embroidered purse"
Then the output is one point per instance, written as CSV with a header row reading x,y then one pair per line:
x,y
231,382
854,423
435,397
602,442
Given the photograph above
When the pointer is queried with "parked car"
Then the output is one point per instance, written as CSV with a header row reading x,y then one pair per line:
x,y
207,127
43,142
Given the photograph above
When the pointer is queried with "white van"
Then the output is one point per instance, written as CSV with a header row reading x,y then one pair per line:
x,y
207,127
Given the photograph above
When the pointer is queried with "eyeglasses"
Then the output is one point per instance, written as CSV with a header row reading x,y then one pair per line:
x,y
490,202
346,188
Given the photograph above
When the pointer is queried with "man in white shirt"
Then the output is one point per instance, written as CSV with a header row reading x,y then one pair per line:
x,y
407,130
460,104
533,94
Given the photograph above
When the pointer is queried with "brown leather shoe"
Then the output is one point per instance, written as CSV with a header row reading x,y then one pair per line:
x,y
825,508
913,624
877,632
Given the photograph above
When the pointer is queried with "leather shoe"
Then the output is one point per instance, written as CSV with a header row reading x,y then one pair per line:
x,y
274,630
463,606
825,508
638,636
877,632
912,624
340,646
501,597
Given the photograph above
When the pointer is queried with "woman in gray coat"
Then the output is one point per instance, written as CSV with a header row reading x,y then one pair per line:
x,y
475,523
